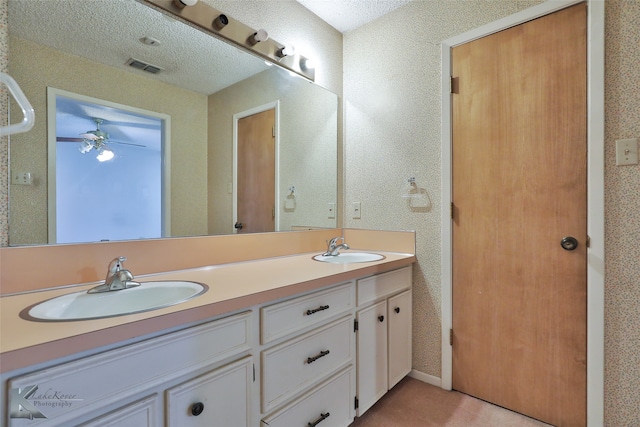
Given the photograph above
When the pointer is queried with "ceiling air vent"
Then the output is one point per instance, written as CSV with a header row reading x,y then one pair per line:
x,y
140,65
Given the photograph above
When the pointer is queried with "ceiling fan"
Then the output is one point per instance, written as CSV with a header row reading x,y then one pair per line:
x,y
95,140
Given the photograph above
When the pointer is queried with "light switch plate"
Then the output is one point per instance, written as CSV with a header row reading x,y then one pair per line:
x,y
627,152
357,212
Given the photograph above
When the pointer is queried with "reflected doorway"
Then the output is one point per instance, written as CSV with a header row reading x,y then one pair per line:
x,y
108,170
255,166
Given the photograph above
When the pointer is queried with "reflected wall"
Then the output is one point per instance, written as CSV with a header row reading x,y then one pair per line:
x,y
188,110
306,156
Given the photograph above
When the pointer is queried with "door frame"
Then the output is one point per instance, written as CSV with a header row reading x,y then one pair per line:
x,y
595,192
275,105
52,94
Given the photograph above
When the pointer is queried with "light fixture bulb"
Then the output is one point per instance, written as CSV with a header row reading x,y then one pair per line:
x,y
286,51
183,3
307,64
104,155
259,36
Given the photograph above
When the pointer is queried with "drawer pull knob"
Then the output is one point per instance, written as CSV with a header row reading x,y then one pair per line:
x,y
315,310
314,358
381,318
397,309
319,420
197,408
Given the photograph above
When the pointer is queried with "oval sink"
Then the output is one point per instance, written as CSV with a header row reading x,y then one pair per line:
x,y
349,257
83,306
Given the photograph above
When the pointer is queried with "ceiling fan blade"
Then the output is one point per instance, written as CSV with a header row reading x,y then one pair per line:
x,y
126,143
90,136
65,139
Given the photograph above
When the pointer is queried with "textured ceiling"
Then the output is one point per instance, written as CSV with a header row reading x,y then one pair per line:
x,y
110,32
347,15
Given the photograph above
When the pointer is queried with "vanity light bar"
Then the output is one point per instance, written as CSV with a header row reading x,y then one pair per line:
x,y
255,41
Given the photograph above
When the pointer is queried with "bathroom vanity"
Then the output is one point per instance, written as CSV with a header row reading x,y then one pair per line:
x,y
316,345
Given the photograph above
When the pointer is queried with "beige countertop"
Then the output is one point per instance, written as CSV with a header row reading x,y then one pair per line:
x,y
232,287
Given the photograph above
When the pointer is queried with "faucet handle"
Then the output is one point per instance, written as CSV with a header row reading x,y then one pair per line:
x,y
116,264
332,243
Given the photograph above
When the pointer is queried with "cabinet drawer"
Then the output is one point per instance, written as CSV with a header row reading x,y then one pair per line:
x,y
280,319
295,365
328,405
220,398
132,369
382,285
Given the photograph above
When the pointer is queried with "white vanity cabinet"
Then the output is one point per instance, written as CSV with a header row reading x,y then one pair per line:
x,y
307,364
304,360
383,334
102,389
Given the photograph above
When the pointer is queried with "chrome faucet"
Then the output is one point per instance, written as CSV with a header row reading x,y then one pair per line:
x,y
117,278
333,248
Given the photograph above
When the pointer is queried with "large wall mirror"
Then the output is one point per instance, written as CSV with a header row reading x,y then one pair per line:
x,y
125,53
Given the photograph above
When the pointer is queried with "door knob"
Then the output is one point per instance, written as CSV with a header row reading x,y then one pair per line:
x,y
238,225
569,243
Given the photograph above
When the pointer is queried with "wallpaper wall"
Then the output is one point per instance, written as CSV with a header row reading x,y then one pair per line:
x,y
392,131
4,166
622,216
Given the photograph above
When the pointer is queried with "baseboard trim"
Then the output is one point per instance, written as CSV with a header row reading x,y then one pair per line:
x,y
426,378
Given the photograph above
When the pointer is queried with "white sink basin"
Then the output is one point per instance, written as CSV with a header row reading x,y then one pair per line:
x,y
83,306
349,257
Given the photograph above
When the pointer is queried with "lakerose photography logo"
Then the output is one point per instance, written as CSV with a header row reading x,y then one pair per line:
x,y
26,402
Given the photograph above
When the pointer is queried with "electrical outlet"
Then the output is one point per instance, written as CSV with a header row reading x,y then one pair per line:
x,y
21,178
332,211
356,210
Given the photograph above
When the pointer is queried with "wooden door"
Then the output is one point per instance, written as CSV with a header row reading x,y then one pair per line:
x,y
256,173
519,187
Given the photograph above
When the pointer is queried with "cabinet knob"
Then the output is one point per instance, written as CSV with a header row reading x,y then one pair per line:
x,y
397,309
197,408
381,318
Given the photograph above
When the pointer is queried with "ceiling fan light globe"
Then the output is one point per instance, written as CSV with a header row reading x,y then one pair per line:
x,y
85,147
105,155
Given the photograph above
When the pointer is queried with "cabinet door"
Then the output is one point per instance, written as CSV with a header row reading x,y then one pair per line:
x,y
143,413
220,398
372,355
399,339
